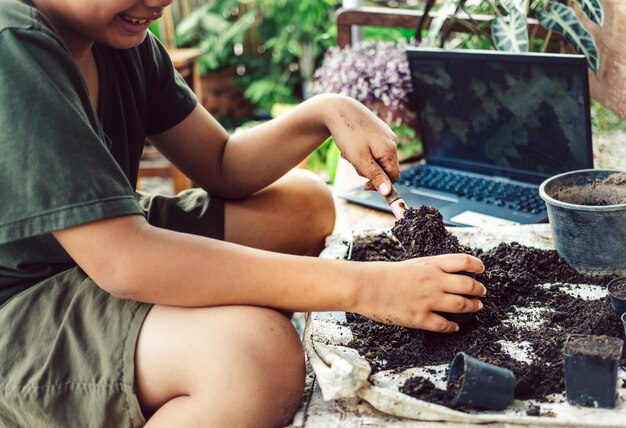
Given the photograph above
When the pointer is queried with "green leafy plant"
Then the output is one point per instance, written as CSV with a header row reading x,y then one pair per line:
x,y
275,45
604,120
294,35
219,29
323,161
376,73
509,30
409,145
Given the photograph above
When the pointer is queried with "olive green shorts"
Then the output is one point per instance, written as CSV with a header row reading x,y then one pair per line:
x,y
67,347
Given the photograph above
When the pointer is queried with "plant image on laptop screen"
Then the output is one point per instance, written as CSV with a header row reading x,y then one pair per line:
x,y
521,114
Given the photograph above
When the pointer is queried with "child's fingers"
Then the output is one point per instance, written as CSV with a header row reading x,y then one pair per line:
x,y
457,304
368,186
438,324
388,160
466,285
378,178
453,263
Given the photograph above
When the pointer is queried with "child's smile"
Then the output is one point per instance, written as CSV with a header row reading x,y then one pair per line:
x,y
120,24
133,24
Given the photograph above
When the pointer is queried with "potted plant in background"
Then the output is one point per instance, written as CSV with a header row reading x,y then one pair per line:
x,y
295,35
266,49
376,73
220,29
509,28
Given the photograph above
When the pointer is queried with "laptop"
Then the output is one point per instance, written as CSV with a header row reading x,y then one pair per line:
x,y
493,125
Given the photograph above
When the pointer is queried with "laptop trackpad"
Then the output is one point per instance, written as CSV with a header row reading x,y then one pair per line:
x,y
472,218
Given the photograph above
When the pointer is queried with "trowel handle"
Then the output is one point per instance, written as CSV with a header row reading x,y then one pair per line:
x,y
396,203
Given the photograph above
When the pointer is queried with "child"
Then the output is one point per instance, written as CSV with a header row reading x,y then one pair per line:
x,y
123,310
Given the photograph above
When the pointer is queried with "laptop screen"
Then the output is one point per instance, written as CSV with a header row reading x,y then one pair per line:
x,y
520,115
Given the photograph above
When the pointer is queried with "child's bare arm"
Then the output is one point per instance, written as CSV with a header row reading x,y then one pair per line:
x,y
238,166
135,260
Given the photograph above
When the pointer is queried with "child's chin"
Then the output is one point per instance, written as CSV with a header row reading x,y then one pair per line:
x,y
127,42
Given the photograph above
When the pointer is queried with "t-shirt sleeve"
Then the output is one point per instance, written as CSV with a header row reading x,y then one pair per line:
x,y
56,170
170,99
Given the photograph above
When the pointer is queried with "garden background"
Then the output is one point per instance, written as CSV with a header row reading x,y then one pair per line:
x,y
262,57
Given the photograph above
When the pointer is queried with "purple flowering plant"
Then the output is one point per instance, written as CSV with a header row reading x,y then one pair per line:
x,y
373,72
376,73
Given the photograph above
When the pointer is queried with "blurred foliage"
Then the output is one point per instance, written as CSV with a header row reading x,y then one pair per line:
x,y
219,29
324,160
387,34
274,45
409,145
604,120
509,30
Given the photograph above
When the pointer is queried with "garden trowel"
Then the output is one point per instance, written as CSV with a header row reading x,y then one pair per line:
x,y
396,203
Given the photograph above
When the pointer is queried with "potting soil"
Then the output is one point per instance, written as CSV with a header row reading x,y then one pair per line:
x,y
616,178
524,290
602,347
618,289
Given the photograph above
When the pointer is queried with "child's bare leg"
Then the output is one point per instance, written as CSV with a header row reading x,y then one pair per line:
x,y
293,216
231,366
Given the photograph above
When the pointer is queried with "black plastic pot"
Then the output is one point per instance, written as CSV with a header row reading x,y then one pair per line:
x,y
461,319
483,385
587,220
618,303
590,365
623,318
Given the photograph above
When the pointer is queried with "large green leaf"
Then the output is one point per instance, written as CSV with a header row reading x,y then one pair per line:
x,y
510,33
437,22
593,9
510,5
562,19
190,23
214,23
420,25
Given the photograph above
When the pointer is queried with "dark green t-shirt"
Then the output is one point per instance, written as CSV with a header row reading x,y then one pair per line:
x,y
62,163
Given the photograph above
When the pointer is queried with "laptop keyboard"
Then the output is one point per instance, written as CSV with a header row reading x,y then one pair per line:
x,y
493,192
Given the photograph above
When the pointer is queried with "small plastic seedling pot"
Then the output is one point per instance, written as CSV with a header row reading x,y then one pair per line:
x,y
590,366
617,294
461,319
483,385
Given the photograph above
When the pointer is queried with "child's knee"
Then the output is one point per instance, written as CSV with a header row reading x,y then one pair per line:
x,y
277,357
314,198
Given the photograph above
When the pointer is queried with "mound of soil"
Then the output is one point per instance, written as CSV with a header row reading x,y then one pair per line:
x,y
512,275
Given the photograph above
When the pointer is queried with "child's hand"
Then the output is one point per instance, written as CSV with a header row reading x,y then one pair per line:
x,y
365,141
408,293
